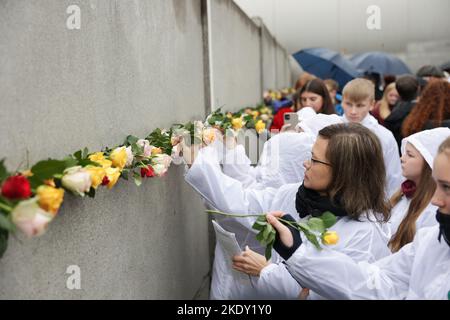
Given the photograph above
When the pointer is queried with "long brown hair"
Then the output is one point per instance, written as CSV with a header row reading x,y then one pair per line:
x,y
433,105
421,199
358,171
317,86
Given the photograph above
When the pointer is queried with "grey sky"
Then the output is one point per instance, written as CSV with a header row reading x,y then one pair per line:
x,y
341,24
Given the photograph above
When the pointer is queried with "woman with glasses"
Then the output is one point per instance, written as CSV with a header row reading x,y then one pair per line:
x,y
345,176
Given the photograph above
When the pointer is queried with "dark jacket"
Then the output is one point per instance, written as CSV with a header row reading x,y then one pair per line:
x,y
395,120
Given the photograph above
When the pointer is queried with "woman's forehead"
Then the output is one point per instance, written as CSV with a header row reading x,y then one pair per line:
x,y
441,169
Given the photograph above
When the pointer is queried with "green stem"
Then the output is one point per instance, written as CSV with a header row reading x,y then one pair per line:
x,y
233,215
5,207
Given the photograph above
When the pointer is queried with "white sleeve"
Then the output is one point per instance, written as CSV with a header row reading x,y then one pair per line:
x,y
225,193
237,165
275,282
335,275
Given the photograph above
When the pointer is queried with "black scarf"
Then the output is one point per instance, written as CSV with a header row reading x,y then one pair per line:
x,y
310,202
444,226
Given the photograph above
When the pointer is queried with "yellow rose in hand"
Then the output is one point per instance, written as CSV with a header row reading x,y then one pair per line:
x,y
330,238
119,157
260,126
237,123
50,198
113,175
97,175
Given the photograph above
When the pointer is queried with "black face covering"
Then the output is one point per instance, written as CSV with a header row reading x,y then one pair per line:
x,y
444,226
310,202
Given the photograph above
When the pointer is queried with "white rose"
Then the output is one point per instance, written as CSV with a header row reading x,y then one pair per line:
x,y
162,159
130,157
145,144
159,169
77,180
264,117
30,218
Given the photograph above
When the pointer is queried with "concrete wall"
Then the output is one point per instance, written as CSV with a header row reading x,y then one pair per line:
x,y
236,65
133,66
283,76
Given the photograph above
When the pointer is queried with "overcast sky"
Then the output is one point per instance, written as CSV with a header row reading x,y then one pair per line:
x,y
342,24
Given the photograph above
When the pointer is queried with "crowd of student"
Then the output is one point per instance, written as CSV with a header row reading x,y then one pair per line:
x,y
382,167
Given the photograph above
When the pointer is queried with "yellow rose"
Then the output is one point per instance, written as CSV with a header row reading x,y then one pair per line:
x,y
229,115
113,175
330,238
50,198
260,126
97,175
237,123
255,114
119,157
96,156
156,151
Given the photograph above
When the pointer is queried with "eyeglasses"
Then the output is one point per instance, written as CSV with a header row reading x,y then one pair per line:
x,y
313,161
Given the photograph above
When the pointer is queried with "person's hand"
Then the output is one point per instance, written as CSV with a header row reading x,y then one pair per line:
x,y
283,231
229,140
189,152
287,127
250,262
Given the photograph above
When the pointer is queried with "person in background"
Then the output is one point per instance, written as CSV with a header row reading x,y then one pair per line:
x,y
313,94
430,72
303,79
358,99
383,108
408,89
336,98
412,209
432,110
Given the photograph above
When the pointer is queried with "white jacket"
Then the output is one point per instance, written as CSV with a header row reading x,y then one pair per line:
x,y
364,240
228,195
281,161
420,270
426,219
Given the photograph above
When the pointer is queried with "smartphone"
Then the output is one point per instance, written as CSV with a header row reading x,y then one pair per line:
x,y
291,118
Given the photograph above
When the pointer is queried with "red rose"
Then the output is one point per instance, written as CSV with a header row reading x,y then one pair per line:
x,y
147,172
105,181
16,187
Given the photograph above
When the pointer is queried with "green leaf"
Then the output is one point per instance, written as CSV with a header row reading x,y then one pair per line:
x,y
258,225
130,140
6,223
78,155
3,241
316,224
46,169
87,162
85,153
3,172
260,237
137,178
313,239
268,253
267,231
91,193
328,219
